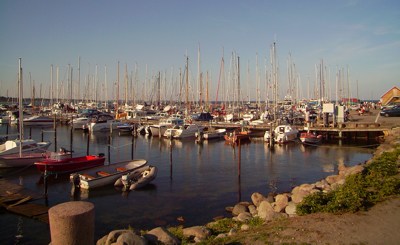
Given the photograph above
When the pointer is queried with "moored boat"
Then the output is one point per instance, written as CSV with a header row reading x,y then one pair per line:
x,y
38,121
138,178
282,134
29,158
211,134
105,175
235,137
28,145
160,128
69,164
184,131
310,138
125,128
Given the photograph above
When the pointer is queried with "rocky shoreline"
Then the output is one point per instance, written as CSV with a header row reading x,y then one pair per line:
x,y
267,208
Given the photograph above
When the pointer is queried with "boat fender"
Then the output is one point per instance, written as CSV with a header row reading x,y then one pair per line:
x,y
145,173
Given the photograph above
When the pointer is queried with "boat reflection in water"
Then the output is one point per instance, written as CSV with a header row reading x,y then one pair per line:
x,y
190,177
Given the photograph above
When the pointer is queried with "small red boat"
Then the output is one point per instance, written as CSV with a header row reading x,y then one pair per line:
x,y
234,137
310,138
70,165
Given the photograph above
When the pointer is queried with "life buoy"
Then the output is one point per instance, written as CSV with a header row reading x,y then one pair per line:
x,y
145,173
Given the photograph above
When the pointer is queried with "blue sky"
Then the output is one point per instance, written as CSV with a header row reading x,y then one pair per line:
x,y
361,37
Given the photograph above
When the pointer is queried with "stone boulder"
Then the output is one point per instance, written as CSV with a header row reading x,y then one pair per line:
x,y
243,217
281,201
161,234
266,211
239,208
257,198
291,209
252,210
301,191
352,170
198,232
127,237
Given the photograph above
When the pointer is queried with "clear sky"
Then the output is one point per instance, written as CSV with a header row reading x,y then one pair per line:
x,y
360,37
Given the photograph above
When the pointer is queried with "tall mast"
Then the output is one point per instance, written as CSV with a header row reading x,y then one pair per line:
x,y
57,74
187,84
199,78
105,86
126,84
51,86
20,105
79,78
238,78
95,82
116,105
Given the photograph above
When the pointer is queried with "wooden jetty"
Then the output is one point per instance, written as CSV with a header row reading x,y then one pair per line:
x,y
14,198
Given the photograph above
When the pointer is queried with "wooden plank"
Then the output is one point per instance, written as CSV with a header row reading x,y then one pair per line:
x,y
23,200
29,209
43,218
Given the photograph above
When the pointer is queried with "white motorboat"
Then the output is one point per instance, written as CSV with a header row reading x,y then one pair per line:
x,y
103,123
125,128
80,122
184,131
105,175
160,128
282,134
38,121
28,145
211,134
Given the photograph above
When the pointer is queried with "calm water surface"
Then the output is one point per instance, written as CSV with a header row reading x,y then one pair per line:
x,y
195,181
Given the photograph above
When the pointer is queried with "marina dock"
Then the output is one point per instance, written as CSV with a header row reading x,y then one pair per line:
x,y
15,198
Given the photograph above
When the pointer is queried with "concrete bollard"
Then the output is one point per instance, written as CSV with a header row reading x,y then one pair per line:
x,y
72,223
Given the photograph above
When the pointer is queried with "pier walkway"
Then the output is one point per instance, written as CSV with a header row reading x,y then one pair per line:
x,y
14,198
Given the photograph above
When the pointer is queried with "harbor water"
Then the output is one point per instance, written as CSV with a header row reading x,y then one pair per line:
x,y
195,181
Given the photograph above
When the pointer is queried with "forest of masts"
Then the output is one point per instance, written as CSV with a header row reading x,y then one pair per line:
x,y
182,87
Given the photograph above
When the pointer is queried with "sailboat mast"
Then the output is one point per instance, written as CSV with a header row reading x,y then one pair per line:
x,y
51,86
238,78
187,84
20,106
79,78
116,106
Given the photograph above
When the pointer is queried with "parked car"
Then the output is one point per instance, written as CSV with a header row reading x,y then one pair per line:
x,y
392,112
390,105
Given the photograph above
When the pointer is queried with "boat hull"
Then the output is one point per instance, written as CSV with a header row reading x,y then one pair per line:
x,y
69,165
28,145
15,160
106,174
309,138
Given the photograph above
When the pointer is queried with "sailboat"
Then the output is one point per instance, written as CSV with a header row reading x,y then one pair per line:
x,y
20,152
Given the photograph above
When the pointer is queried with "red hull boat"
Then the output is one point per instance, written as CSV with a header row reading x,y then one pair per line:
x,y
236,136
310,138
70,165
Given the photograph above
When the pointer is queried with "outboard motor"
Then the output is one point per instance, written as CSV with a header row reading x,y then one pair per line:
x,y
125,181
75,180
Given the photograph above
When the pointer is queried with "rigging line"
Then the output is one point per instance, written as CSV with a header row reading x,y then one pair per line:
x,y
116,147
